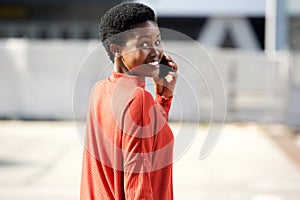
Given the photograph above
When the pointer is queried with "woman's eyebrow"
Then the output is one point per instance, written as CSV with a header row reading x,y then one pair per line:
x,y
147,36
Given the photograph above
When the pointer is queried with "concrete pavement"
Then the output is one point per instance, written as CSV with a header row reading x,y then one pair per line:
x,y
42,160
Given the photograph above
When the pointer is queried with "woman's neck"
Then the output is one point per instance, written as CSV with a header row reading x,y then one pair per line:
x,y
124,70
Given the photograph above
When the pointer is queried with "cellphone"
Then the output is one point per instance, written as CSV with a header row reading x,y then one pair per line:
x,y
164,68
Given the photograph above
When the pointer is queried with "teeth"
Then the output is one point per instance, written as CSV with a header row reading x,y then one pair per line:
x,y
153,63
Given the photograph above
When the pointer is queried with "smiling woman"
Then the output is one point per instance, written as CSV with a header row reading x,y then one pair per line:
x,y
141,52
128,150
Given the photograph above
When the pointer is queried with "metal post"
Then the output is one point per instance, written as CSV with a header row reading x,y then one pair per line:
x,y
276,26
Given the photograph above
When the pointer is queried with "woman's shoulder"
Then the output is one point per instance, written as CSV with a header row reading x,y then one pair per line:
x,y
141,94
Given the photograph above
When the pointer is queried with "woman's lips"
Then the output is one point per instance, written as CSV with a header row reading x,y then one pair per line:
x,y
154,63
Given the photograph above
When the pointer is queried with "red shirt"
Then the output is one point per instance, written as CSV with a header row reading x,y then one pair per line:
x,y
128,143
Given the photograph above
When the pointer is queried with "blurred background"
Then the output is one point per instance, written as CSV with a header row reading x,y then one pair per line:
x,y
50,56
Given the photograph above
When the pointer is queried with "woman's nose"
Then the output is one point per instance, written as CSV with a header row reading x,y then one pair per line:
x,y
155,51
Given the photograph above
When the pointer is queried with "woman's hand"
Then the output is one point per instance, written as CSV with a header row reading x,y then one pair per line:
x,y
165,86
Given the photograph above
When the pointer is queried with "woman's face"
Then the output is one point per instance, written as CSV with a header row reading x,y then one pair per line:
x,y
142,51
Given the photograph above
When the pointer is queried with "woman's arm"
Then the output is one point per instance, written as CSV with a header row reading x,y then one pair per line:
x,y
165,105
137,145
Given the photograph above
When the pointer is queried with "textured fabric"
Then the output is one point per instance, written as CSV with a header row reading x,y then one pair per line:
x,y
128,143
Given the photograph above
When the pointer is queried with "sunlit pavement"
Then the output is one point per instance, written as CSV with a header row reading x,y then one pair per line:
x,y
42,161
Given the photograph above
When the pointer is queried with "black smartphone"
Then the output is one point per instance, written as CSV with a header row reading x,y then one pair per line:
x,y
164,67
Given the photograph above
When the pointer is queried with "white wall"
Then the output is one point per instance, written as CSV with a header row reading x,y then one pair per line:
x,y
216,7
37,77
38,80
207,8
294,7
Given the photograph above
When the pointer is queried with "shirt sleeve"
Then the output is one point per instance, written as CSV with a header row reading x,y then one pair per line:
x,y
165,104
137,144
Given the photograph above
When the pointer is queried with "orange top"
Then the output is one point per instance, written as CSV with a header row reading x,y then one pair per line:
x,y
128,143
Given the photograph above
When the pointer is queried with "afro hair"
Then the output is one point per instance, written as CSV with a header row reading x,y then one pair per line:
x,y
121,18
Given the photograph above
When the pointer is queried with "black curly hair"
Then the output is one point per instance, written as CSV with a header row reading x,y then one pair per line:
x,y
121,18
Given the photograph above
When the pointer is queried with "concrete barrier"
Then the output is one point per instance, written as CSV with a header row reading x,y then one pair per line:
x,y
47,79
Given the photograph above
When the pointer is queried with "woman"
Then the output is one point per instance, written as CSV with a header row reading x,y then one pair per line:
x,y
129,144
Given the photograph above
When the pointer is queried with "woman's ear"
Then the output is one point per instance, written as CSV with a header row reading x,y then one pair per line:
x,y
115,49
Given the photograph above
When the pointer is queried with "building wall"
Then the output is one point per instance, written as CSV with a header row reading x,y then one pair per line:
x,y
79,19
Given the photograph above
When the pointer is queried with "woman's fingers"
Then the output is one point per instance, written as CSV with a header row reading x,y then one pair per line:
x,y
172,63
165,86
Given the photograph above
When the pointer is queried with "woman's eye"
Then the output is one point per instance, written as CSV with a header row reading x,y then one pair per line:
x,y
145,45
157,42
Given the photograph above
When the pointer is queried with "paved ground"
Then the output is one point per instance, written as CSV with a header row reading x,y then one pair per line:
x,y
42,161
